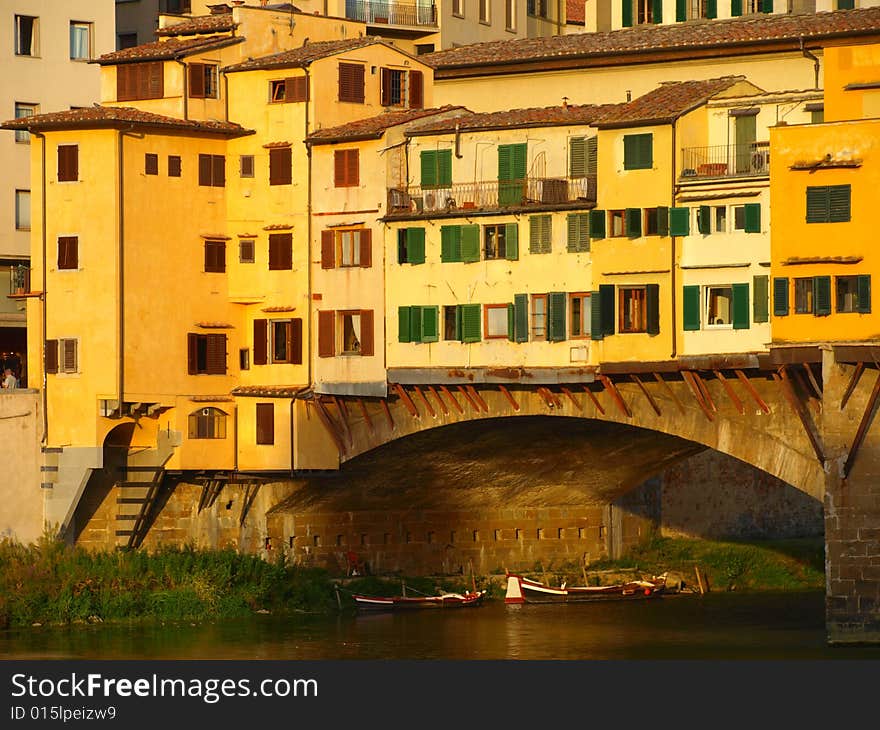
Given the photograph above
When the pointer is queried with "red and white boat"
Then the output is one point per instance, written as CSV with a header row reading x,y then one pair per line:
x,y
394,603
525,590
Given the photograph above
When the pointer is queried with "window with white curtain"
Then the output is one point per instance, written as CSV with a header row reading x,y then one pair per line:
x,y
80,41
351,333
23,110
23,210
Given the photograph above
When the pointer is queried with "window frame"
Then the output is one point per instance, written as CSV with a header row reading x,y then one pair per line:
x,y
66,179
649,216
246,170
280,166
151,163
175,166
538,333
207,423
854,279
485,12
354,87
19,219
584,317
458,8
354,246
634,147
210,162
707,323
499,244
802,289
285,326
34,42
90,30
210,88
67,248
242,243
617,215
341,316
623,293
215,256
487,308
22,136
286,261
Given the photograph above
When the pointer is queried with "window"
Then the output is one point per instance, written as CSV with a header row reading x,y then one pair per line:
x,y
215,256
451,323
803,295
286,341
638,151
346,168
580,315
22,210
539,316
292,89
351,83
537,8
739,217
280,251
346,248
68,252
484,12
854,294
246,251
23,111
207,423
265,426
436,168
392,87
246,166
817,116
645,11
202,80
350,326
62,356
126,40
495,322
510,15
633,311
501,241
280,166
140,81
27,37
151,164
722,306
80,41
540,234
419,324
747,218
68,163
616,223
512,162
173,165
719,219
719,306
212,171
650,223
411,246
244,358
458,8
206,354
828,204
578,233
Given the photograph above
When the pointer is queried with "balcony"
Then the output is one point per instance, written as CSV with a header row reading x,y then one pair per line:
x,y
389,12
492,195
721,161
19,280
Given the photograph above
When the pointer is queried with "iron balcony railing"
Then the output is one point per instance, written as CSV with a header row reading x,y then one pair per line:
x,y
19,279
392,12
491,194
746,160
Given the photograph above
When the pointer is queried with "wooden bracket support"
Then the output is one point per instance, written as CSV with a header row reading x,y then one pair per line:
x,y
547,396
365,413
592,397
571,397
387,412
330,425
467,397
250,494
407,401
425,401
728,388
752,392
653,403
343,417
451,396
612,390
477,397
864,425
439,400
510,399
853,382
697,392
669,391
788,391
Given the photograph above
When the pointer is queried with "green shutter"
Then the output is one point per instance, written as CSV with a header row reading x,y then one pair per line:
x,y
691,307
511,241
511,322
711,8
634,222
512,159
626,11
753,217
657,11
652,308
577,157
470,322
521,317
444,168
760,308
817,204
646,150
864,303
662,220
592,155
846,4
578,233
839,203
573,226
539,234
450,243
821,295
415,324
704,219
415,245
736,8
556,316
596,332
681,14
430,324
780,296
429,168
403,317
631,151
679,221
606,302
597,224
470,243
740,306
766,6
458,323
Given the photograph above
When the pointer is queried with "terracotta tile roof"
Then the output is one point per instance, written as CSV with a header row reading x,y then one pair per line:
x,y
305,54
374,127
549,116
113,116
676,37
200,24
574,11
170,48
665,103
268,391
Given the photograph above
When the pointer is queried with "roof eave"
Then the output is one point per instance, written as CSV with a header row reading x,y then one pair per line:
x,y
127,124
656,122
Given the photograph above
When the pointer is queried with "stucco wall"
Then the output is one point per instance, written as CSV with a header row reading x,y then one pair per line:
x,y
21,515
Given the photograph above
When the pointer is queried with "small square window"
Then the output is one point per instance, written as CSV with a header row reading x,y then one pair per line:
x,y
246,249
803,295
616,223
23,111
173,165
719,219
539,317
151,164
246,166
496,321
719,307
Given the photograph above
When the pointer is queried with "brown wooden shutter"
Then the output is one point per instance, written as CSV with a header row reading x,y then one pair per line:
x,y
326,334
126,86
280,251
196,80
328,249
261,341
367,347
192,353
366,248
296,341
296,88
416,90
173,165
68,254
155,73
385,93
218,171
51,356
216,355
265,423
68,356
204,169
338,168
68,163
352,168
151,163
280,166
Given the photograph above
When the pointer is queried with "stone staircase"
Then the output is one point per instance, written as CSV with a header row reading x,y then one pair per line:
x,y
138,492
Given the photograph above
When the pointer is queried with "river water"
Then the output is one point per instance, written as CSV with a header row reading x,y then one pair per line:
x,y
752,626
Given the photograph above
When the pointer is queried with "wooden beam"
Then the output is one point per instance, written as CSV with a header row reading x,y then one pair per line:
x,y
439,400
801,382
611,389
571,397
864,425
698,379
425,401
595,400
751,388
366,416
407,401
477,397
734,398
325,418
853,382
250,494
547,396
387,412
670,392
635,379
451,396
687,376
343,416
817,389
785,384
510,398
468,398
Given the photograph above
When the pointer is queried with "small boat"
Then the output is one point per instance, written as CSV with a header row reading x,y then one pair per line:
x,y
525,590
394,603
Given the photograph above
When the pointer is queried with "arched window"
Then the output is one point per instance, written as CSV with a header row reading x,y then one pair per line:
x,y
207,423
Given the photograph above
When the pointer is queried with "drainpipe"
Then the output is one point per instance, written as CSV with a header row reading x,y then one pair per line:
x,y
120,278
309,237
226,96
185,88
42,137
672,250
813,58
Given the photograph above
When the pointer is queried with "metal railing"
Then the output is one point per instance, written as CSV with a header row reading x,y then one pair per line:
x,y
491,194
19,279
746,160
391,12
